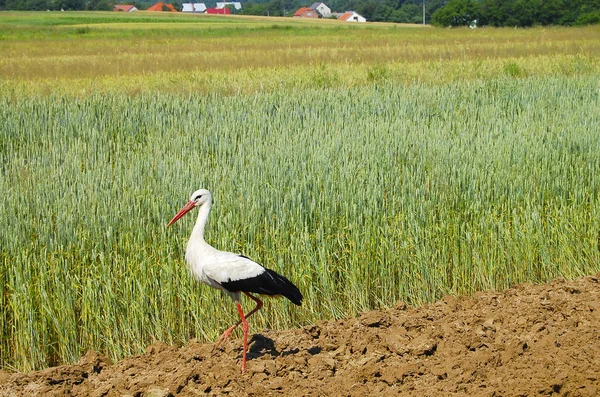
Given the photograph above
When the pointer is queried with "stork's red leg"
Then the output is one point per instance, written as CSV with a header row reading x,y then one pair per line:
x,y
245,329
259,304
244,323
225,335
227,332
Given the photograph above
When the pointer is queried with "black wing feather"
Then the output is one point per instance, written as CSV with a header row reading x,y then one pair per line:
x,y
266,283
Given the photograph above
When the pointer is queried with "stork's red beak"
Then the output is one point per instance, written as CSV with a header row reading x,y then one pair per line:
x,y
186,208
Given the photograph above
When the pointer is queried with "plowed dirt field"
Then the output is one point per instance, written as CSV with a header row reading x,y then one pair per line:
x,y
530,340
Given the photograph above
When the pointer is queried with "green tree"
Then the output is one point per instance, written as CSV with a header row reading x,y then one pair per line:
x,y
275,8
588,18
551,12
523,13
26,5
456,13
74,5
367,9
100,5
408,13
382,13
491,13
36,5
252,8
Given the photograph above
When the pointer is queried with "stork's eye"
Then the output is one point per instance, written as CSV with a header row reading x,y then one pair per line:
x,y
198,197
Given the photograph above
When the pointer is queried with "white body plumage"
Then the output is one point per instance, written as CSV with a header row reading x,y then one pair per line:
x,y
230,272
227,271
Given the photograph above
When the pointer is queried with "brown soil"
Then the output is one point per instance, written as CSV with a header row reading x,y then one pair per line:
x,y
527,341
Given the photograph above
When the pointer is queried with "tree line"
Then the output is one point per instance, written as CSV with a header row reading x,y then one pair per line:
x,y
401,11
56,5
517,13
514,13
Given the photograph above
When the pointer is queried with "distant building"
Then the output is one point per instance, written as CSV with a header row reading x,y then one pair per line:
x,y
321,8
160,6
193,7
352,16
218,11
125,8
306,12
236,4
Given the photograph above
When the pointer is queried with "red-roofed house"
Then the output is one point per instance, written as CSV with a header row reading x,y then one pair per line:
x,y
306,12
125,8
351,16
220,11
160,6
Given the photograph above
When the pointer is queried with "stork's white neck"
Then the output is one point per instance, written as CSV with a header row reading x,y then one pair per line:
x,y
198,232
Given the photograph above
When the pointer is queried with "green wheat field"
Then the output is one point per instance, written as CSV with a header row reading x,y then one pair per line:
x,y
369,164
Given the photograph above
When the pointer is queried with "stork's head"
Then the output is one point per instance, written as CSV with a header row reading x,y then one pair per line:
x,y
198,198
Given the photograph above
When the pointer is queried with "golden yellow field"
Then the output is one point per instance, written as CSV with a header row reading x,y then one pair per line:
x,y
103,52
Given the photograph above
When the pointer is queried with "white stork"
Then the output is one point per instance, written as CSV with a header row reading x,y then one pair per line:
x,y
230,272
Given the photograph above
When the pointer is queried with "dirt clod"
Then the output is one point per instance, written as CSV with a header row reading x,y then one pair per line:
x,y
527,341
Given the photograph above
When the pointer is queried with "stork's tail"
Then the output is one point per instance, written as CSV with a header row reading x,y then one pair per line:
x,y
286,288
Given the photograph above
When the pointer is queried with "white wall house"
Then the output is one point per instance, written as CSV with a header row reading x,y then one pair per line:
x,y
124,8
321,8
352,16
236,4
193,7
